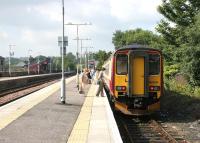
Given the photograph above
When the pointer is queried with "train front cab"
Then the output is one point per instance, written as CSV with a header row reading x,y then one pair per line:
x,y
137,81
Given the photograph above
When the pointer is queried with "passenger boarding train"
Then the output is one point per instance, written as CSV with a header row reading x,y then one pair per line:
x,y
133,77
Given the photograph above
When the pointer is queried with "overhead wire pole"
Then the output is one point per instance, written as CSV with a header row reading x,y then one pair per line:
x,y
90,55
86,57
81,68
63,78
77,38
81,39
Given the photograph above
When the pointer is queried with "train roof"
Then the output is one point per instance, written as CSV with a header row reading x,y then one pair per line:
x,y
137,47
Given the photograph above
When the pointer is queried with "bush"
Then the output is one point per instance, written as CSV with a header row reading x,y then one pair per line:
x,y
185,89
171,70
192,64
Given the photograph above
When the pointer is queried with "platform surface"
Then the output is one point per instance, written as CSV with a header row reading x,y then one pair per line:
x,y
41,118
96,123
49,121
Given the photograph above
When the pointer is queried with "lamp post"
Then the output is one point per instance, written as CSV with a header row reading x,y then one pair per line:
x,y
77,38
11,53
62,97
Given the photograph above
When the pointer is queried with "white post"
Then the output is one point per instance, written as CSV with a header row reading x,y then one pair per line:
x,y
81,88
62,98
77,74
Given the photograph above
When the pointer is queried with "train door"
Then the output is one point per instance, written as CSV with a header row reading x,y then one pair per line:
x,y
138,76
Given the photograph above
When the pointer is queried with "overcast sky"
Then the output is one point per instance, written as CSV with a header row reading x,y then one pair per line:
x,y
36,24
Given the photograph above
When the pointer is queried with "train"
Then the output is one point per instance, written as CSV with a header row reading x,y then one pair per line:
x,y
133,77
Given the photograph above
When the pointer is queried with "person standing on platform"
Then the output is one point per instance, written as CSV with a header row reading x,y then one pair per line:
x,y
89,76
96,75
100,83
92,73
84,80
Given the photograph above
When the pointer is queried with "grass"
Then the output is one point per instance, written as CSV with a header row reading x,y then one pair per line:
x,y
185,89
181,99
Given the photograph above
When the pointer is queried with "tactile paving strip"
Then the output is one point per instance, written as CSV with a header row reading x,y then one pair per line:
x,y
81,128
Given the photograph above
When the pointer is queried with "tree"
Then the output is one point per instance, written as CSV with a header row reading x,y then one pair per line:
x,y
69,62
118,39
191,54
138,36
101,56
178,14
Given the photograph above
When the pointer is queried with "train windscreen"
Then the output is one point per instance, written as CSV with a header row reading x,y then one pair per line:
x,y
154,64
122,64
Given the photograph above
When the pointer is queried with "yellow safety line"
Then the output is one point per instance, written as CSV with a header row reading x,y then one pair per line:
x,y
80,130
33,100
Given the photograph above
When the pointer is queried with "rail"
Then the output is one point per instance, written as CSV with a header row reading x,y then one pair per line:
x,y
145,131
17,92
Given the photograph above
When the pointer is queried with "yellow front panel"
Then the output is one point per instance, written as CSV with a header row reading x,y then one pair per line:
x,y
155,80
138,76
120,80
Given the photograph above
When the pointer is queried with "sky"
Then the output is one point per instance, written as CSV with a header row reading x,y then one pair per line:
x,y
33,26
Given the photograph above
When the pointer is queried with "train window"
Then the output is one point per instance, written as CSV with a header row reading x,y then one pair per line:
x,y
122,64
154,64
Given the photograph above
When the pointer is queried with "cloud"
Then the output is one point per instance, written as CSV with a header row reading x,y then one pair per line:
x,y
51,10
3,35
134,10
36,24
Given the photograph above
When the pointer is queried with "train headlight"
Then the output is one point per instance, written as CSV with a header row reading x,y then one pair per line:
x,y
121,88
154,88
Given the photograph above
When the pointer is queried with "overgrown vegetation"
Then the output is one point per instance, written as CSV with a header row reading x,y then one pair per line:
x,y
179,41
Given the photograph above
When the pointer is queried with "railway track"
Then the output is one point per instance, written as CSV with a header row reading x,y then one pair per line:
x,y
14,90
17,88
146,131
14,94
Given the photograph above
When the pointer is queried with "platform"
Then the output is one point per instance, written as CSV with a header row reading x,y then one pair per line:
x,y
39,117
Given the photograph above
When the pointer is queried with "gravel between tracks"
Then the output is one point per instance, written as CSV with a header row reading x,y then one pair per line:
x,y
182,113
